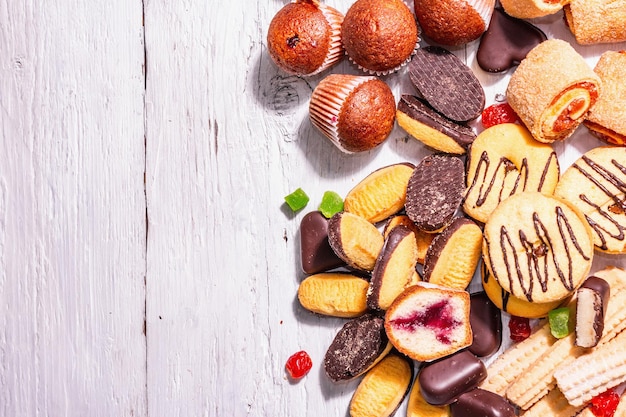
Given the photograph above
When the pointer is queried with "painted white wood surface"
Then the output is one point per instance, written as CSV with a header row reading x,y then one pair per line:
x,y
126,198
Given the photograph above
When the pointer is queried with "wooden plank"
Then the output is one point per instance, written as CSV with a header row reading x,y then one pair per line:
x,y
72,209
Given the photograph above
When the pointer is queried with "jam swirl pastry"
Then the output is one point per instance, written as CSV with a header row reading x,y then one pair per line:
x,y
538,247
552,90
596,185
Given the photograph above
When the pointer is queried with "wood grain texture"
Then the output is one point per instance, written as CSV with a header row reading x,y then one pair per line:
x,y
203,249
72,209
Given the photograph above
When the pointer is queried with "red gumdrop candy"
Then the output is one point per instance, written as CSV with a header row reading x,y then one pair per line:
x,y
497,114
520,328
605,404
299,364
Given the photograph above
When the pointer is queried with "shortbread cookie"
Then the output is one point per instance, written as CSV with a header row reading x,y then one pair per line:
x,y
593,373
453,255
552,90
431,128
427,322
419,407
422,239
513,305
596,185
383,388
554,404
355,240
538,247
359,345
381,194
517,359
505,160
394,268
607,119
435,191
334,294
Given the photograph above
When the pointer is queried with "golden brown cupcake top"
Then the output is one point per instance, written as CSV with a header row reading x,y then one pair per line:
x,y
298,37
379,35
449,22
367,116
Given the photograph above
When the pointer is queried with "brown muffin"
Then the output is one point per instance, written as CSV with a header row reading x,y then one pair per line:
x,y
357,113
304,37
379,36
453,22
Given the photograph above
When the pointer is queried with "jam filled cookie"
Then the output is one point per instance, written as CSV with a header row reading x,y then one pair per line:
x,y
596,185
505,160
538,247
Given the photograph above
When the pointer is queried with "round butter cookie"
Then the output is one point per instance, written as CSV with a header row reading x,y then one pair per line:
x,y
538,247
514,306
505,160
596,185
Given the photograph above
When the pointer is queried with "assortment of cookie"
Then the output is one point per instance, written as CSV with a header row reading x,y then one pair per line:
x,y
494,207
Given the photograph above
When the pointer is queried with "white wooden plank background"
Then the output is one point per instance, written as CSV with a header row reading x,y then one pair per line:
x,y
147,264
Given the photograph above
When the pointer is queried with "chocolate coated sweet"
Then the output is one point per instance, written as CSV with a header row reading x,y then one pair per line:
x,y
481,403
486,323
419,110
356,347
316,253
443,381
435,191
447,84
591,303
506,42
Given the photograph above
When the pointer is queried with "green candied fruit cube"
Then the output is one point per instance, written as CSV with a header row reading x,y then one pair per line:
x,y
331,204
297,200
559,319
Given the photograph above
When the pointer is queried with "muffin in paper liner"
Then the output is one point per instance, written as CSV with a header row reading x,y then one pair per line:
x,y
356,112
380,36
304,37
335,51
484,8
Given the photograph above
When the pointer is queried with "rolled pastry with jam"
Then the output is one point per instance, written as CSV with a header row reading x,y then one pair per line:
x,y
596,21
529,9
552,90
607,119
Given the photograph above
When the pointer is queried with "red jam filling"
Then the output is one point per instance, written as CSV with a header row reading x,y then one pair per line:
x,y
437,317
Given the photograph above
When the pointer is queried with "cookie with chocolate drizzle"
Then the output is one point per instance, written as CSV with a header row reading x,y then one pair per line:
x,y
538,247
596,184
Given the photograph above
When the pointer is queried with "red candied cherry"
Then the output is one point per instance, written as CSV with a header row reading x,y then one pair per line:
x,y
497,114
604,405
520,328
299,364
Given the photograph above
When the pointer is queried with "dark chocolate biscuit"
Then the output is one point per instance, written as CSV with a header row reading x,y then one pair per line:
x,y
486,323
435,191
432,128
481,403
506,42
316,253
447,84
358,346
443,381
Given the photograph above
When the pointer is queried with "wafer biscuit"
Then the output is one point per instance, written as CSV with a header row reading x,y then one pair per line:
x,y
593,373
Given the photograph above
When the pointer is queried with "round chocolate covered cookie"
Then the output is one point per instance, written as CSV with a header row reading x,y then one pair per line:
x,y
538,247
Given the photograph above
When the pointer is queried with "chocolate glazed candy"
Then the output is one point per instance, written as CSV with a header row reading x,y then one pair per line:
x,y
481,403
486,322
316,253
443,381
